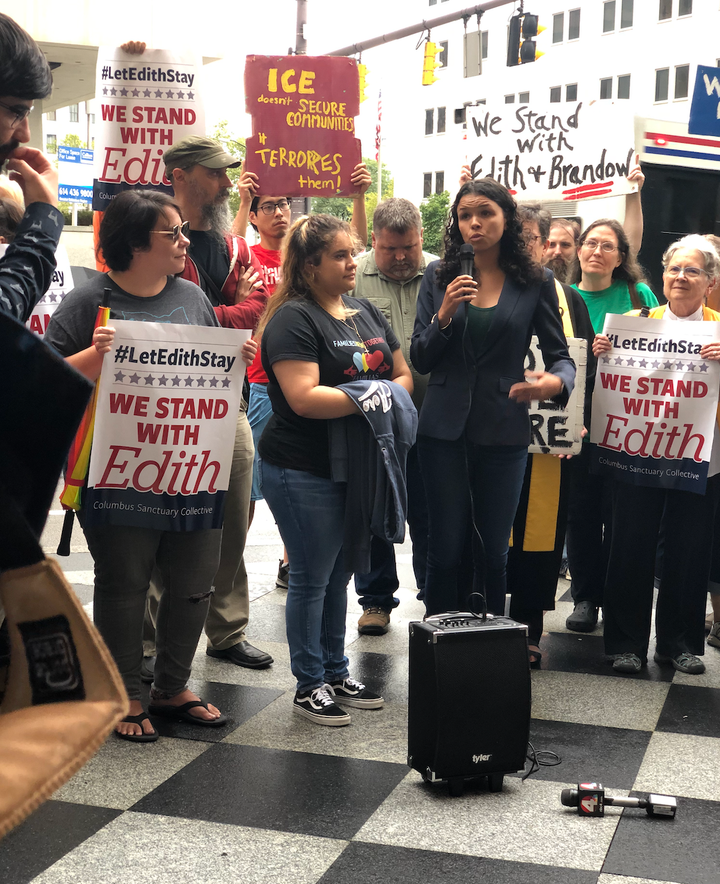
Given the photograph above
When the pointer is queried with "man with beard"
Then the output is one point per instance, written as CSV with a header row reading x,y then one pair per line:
x,y
27,266
560,250
222,265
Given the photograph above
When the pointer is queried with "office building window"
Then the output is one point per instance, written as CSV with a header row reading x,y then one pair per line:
x,y
429,121
623,90
571,92
662,79
432,3
665,10
439,182
626,14
73,113
608,16
558,27
524,97
427,184
51,115
606,88
443,55
685,7
51,143
510,99
555,94
574,24
682,79
440,120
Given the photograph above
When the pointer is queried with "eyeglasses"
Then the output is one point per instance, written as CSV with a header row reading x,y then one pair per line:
x,y
175,231
270,208
687,272
531,239
20,112
592,244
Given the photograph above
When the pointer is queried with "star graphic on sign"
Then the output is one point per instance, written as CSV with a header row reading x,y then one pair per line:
x,y
619,360
188,382
690,366
158,93
180,94
643,363
119,376
113,91
146,93
123,91
170,93
226,382
201,381
136,93
678,366
176,381
149,379
668,366
656,364
134,378
105,91
163,381
213,382
631,361
704,366
191,96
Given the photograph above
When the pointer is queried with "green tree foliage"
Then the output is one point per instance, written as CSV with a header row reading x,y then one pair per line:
x,y
434,211
236,148
72,140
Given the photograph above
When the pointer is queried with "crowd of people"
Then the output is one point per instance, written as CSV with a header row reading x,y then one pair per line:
x,y
384,387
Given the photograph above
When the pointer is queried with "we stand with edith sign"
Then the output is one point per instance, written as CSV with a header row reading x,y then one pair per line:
x,y
303,112
545,153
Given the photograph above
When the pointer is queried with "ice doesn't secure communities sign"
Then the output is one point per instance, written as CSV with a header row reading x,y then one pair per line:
x,y
543,153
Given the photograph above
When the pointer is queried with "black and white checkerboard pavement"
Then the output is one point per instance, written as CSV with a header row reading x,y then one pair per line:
x,y
272,798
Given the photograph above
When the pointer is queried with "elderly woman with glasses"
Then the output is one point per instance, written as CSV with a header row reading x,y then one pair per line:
x,y
691,268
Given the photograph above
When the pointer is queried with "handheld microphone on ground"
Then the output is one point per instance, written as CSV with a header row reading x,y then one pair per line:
x,y
467,259
591,800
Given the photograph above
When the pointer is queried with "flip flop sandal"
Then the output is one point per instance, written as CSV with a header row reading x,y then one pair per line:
x,y
535,656
182,713
138,738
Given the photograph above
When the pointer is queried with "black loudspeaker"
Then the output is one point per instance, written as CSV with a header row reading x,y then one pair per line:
x,y
469,698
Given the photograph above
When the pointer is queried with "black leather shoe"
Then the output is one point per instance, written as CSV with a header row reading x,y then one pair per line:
x,y
584,618
243,654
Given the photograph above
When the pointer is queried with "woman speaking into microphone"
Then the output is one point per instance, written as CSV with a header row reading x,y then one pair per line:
x,y
472,335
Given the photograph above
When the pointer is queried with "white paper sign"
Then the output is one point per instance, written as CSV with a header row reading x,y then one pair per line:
x,y
60,285
558,430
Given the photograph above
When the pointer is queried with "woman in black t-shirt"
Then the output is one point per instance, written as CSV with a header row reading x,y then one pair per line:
x,y
315,338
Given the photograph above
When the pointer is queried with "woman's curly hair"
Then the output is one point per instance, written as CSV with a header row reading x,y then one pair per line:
x,y
514,258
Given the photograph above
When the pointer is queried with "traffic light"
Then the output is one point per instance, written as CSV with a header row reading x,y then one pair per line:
x,y
522,48
363,71
430,63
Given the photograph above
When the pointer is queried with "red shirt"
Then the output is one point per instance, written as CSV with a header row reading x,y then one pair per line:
x,y
269,261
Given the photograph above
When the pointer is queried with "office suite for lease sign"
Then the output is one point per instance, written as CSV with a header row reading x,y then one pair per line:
x,y
552,152
165,426
655,403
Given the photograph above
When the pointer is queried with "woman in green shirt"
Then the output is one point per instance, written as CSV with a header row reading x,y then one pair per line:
x,y
610,277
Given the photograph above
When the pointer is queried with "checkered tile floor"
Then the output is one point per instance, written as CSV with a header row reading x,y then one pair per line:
x,y
272,798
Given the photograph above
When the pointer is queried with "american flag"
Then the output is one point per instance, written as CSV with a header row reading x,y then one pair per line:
x,y
377,128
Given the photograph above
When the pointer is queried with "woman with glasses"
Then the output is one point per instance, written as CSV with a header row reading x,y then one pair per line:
x,y
143,240
691,268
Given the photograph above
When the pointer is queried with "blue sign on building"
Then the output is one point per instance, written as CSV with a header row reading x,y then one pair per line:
x,y
75,167
705,107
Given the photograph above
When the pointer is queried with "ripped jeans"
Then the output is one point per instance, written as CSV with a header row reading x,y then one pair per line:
x,y
124,560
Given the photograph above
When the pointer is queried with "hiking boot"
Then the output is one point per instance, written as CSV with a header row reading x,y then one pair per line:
x,y
374,621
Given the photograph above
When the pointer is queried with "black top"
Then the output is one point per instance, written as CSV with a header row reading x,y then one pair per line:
x,y
303,331
209,251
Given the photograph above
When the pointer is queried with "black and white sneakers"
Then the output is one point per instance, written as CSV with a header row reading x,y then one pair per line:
x,y
318,706
352,693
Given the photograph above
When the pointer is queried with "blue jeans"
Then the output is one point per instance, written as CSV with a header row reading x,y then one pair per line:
x,y
452,471
375,589
258,414
310,514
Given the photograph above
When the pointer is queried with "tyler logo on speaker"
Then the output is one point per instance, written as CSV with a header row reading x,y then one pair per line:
x,y
478,758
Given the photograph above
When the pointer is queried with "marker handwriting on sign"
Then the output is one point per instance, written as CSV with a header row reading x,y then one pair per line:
x,y
304,85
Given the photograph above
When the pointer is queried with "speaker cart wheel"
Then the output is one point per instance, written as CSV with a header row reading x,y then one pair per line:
x,y
495,782
457,786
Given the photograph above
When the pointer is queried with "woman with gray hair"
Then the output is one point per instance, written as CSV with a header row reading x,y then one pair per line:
x,y
691,268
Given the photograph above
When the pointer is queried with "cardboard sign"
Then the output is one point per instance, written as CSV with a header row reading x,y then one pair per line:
x,y
558,430
60,284
147,102
165,426
303,112
705,107
655,403
551,153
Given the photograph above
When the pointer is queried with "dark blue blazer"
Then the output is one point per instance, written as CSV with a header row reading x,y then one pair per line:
x,y
469,392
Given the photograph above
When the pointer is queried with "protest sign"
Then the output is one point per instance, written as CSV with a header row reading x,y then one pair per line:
x,y
303,112
705,107
75,171
147,102
165,425
557,429
546,153
655,403
60,284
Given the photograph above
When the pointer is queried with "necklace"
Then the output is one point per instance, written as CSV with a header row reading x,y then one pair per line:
x,y
360,341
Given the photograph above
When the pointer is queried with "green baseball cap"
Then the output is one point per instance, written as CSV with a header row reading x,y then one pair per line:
x,y
196,150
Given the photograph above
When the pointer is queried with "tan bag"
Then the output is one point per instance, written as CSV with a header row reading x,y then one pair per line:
x,y
63,694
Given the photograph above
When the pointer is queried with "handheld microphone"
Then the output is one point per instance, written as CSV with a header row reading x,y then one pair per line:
x,y
591,800
467,259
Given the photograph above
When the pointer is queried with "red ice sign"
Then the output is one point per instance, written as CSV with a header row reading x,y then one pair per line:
x,y
303,112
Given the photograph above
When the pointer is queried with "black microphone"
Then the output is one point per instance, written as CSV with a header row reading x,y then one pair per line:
x,y
590,800
467,259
